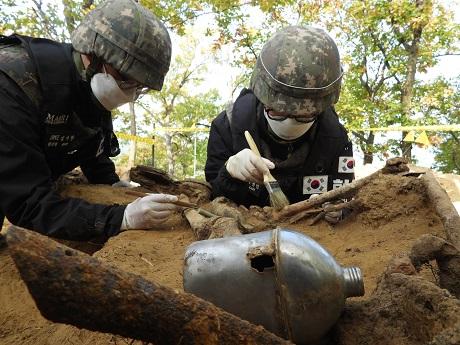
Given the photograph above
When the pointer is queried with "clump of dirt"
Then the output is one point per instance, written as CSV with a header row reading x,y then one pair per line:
x,y
394,310
408,194
405,309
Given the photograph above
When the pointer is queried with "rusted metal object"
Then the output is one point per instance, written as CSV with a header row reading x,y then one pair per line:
x,y
74,288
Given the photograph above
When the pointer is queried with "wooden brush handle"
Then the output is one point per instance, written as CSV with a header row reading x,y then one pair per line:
x,y
178,202
185,204
251,143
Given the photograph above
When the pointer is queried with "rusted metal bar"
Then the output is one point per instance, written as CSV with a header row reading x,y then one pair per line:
x,y
74,288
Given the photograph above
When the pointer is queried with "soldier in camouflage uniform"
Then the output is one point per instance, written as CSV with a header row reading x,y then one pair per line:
x,y
56,101
289,111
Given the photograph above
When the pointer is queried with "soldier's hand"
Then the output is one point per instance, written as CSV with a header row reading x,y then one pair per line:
x,y
247,166
149,211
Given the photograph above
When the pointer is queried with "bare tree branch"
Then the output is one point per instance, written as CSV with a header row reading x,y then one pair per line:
x,y
196,14
385,55
51,30
359,135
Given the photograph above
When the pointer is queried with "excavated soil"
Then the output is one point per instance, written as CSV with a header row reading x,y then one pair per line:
x,y
397,308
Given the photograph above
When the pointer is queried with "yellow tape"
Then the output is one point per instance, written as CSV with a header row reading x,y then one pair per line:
x,y
376,129
135,138
445,128
180,129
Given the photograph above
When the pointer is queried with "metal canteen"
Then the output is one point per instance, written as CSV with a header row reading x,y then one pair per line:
x,y
280,279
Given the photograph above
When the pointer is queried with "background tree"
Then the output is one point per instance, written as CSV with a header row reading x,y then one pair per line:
x,y
388,43
386,47
33,18
179,104
444,103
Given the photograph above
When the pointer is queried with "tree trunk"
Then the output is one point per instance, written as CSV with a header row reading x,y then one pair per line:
x,y
368,152
406,148
169,154
168,142
68,16
407,91
368,158
133,131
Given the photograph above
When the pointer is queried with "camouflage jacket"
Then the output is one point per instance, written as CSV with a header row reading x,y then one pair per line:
x,y
322,159
49,124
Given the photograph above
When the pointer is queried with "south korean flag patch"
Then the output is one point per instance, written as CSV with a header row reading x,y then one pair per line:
x,y
346,164
315,184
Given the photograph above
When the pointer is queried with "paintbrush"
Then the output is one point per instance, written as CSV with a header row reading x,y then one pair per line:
x,y
277,198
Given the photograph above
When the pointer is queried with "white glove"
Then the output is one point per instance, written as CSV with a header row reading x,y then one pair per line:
x,y
148,212
332,217
122,184
247,166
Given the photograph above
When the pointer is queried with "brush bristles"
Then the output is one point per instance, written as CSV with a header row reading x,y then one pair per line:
x,y
277,198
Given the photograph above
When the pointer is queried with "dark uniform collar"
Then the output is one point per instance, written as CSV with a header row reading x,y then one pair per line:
x,y
79,64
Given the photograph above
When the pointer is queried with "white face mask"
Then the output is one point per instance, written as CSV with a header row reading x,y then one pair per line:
x,y
105,88
288,129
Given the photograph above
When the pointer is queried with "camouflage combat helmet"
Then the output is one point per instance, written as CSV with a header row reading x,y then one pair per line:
x,y
128,37
298,71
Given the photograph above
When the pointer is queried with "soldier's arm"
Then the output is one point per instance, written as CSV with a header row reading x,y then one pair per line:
x,y
100,170
218,152
26,186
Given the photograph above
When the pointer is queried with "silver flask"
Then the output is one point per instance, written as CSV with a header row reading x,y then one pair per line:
x,y
280,279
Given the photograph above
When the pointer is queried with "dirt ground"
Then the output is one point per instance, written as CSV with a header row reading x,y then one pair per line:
x,y
396,213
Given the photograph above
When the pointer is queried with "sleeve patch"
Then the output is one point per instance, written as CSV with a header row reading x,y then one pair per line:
x,y
346,164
